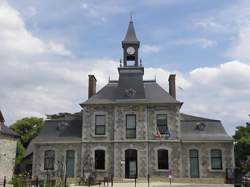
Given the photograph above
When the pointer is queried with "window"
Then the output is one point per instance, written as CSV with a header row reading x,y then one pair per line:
x,y
100,159
70,163
162,159
130,126
100,124
162,123
194,163
216,159
49,160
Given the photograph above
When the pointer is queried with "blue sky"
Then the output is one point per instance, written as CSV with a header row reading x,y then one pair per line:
x,y
49,47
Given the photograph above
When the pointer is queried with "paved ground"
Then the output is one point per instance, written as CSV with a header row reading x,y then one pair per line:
x,y
161,184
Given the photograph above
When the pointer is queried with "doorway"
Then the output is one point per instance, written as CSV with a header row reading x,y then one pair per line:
x,y
131,163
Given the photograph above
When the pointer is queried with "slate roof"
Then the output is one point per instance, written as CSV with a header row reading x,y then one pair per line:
x,y
110,94
213,131
131,35
7,131
1,117
65,129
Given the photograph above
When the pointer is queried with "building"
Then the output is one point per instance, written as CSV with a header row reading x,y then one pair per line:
x,y
8,143
132,128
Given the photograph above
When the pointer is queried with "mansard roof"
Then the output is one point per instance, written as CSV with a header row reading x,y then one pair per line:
x,y
110,94
213,129
65,129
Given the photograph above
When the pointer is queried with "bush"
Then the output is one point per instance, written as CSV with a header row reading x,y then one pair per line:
x,y
19,181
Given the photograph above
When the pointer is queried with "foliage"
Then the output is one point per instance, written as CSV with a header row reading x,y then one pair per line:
x,y
27,128
19,181
62,115
20,152
242,146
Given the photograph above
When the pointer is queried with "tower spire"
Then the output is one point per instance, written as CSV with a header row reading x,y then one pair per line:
x,y
130,37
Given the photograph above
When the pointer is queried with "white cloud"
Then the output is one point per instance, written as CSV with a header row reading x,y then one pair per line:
x,y
233,20
202,42
149,49
58,49
15,38
38,86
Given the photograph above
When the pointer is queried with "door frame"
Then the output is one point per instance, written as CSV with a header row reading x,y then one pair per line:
x,y
127,175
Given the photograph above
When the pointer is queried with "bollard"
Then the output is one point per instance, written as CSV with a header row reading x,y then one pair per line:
x,y
148,179
4,181
37,181
65,181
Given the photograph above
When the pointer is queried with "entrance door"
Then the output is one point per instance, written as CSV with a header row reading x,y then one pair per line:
x,y
131,163
194,163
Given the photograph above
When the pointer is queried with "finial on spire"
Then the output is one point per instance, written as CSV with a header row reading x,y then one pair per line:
x,y
140,62
131,16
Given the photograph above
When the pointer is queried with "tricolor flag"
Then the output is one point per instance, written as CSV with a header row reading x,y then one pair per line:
x,y
157,133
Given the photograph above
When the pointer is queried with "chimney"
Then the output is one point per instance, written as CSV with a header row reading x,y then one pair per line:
x,y
92,85
171,83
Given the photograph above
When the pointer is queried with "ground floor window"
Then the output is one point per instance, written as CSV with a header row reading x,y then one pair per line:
x,y
100,159
194,163
216,159
162,159
70,163
49,160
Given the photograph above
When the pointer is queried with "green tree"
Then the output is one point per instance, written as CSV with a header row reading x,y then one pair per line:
x,y
27,128
242,146
20,152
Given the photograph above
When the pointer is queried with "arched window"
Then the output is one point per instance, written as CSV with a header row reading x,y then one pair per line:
x,y
162,159
49,160
100,159
216,159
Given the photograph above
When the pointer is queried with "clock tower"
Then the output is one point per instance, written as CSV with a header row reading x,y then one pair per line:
x,y
130,46
130,85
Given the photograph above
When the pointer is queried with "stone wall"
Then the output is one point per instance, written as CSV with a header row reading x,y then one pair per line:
x,y
60,159
205,159
7,156
88,158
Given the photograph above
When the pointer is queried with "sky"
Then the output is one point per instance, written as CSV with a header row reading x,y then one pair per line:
x,y
48,48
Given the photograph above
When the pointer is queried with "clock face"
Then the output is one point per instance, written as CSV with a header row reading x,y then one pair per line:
x,y
131,50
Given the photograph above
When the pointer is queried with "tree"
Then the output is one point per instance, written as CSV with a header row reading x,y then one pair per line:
x,y
27,128
242,146
20,152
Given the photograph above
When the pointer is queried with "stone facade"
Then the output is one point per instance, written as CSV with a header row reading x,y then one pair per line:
x,y
114,143
7,156
60,159
131,105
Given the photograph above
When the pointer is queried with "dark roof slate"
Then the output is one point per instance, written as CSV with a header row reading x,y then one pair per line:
x,y
7,131
1,117
213,131
154,93
69,129
130,35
